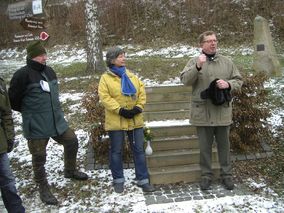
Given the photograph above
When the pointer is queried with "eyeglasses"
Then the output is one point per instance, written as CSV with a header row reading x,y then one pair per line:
x,y
211,41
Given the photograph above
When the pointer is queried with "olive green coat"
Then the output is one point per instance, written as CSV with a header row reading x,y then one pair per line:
x,y
6,127
203,112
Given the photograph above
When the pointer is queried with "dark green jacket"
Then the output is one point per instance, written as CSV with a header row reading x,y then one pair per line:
x,y
41,110
6,127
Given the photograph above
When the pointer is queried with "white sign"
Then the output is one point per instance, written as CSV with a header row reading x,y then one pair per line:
x,y
37,7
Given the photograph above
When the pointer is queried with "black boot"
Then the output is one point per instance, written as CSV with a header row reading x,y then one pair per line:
x,y
45,194
74,174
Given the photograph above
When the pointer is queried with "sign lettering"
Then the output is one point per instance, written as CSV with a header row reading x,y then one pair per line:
x,y
33,23
25,37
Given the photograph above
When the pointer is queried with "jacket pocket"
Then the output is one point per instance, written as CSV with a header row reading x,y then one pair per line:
x,y
198,112
113,121
226,114
138,120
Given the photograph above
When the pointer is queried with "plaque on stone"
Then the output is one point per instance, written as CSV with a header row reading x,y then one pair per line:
x,y
260,47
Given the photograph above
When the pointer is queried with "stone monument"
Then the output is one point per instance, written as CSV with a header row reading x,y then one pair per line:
x,y
265,58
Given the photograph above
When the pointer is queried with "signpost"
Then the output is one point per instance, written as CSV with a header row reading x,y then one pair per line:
x,y
25,37
29,12
26,8
33,23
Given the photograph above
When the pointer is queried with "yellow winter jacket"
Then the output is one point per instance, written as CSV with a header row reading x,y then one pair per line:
x,y
112,99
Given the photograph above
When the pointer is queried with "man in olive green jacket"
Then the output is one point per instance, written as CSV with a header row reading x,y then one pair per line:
x,y
212,121
11,199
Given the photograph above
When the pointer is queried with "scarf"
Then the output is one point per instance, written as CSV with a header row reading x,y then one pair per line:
x,y
127,87
210,57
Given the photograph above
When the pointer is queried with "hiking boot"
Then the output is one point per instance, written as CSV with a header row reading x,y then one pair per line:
x,y
205,183
118,187
75,175
46,196
147,187
228,183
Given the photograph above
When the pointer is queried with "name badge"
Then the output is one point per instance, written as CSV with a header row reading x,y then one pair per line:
x,y
44,86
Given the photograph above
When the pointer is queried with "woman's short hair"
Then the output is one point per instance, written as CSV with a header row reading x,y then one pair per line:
x,y
112,54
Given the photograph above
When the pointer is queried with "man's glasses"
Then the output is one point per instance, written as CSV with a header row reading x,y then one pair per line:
x,y
211,41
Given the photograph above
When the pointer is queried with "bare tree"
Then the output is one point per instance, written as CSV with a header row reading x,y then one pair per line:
x,y
95,63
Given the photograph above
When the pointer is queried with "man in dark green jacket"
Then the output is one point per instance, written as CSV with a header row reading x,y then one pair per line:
x,y
34,92
11,199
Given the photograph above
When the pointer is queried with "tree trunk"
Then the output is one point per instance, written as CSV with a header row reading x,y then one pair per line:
x,y
95,63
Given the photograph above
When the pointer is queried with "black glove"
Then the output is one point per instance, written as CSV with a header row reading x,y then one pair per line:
x,y
136,110
10,145
126,113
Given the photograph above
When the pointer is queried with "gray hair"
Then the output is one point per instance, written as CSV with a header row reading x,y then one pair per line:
x,y
112,54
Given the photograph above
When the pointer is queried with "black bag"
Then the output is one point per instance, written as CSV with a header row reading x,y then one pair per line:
x,y
218,96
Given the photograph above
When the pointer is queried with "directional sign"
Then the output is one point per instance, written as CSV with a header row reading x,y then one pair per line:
x,y
24,8
24,37
33,23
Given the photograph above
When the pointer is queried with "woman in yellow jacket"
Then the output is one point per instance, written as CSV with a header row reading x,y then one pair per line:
x,y
123,96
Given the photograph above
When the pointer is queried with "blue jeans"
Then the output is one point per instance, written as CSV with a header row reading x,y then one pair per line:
x,y
136,140
11,199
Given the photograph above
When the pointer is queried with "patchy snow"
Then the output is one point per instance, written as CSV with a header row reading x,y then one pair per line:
x,y
101,197
167,123
225,204
132,198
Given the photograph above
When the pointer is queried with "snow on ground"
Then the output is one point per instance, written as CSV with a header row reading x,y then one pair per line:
x,y
132,199
101,197
226,204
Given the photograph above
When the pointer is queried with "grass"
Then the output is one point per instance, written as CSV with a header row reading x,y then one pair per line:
x,y
157,68
73,70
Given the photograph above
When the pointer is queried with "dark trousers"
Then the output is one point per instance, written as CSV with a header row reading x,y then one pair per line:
x,y
37,148
206,136
11,199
